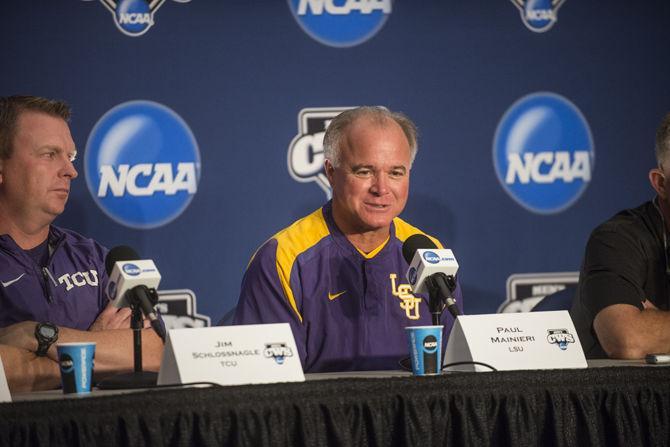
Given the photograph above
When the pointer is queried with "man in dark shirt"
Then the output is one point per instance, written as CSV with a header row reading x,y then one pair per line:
x,y
621,306
51,279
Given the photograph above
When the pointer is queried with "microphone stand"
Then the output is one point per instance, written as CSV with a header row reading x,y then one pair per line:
x,y
441,289
138,378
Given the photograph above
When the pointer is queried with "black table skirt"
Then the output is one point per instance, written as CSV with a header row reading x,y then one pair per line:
x,y
623,406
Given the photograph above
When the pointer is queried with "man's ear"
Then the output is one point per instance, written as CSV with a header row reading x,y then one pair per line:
x,y
330,169
658,182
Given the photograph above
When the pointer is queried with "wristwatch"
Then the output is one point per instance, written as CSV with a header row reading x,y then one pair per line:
x,y
46,335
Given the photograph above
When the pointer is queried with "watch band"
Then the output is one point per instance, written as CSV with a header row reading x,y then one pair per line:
x,y
46,335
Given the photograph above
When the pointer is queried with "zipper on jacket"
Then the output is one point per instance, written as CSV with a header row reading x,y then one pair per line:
x,y
46,274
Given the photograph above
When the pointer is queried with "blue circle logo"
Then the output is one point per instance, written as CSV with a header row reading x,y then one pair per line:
x,y
111,290
133,17
543,153
142,164
131,269
411,275
539,15
430,344
66,363
340,23
431,257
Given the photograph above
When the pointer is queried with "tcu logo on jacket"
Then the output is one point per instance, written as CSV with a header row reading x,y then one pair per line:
x,y
79,279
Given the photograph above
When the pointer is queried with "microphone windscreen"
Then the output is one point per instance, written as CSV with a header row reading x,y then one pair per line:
x,y
413,243
120,253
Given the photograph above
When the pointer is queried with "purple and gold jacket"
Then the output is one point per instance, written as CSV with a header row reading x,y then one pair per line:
x,y
68,292
347,310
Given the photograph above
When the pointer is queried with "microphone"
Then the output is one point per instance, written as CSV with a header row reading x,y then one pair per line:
x,y
133,281
432,270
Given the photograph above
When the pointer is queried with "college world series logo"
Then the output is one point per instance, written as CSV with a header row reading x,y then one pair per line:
x,y
526,290
134,17
560,338
538,15
178,309
305,152
277,351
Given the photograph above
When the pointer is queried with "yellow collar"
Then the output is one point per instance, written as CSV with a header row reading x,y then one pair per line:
x,y
374,252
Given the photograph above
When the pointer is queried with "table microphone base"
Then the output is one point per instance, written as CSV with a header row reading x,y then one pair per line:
x,y
142,379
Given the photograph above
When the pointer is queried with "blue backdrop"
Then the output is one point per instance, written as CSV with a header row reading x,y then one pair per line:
x,y
238,72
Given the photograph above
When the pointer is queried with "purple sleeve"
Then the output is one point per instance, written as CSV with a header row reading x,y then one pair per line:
x,y
262,298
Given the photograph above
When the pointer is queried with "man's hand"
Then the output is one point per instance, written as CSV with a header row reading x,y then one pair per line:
x,y
111,318
27,372
114,318
20,335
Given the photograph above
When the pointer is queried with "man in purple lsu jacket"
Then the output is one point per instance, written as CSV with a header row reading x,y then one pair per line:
x,y
337,276
52,279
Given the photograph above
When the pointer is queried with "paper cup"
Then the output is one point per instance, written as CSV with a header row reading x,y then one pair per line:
x,y
425,349
76,366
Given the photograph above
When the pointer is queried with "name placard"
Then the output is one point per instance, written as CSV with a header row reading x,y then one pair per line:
x,y
231,355
510,341
5,395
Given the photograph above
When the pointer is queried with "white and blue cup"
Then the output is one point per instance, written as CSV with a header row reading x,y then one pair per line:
x,y
76,366
425,349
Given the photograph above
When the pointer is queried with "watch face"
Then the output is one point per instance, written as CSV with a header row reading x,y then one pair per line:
x,y
47,331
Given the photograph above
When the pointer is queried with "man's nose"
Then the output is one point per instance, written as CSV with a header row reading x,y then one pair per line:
x,y
380,184
69,170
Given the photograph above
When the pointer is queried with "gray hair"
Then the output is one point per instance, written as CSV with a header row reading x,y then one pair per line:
x,y
663,140
12,106
335,133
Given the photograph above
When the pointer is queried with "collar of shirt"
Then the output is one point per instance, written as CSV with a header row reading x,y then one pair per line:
x,y
341,240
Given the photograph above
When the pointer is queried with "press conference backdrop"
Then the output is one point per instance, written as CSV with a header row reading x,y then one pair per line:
x,y
199,124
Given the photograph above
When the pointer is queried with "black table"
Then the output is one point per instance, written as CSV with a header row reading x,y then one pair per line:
x,y
626,406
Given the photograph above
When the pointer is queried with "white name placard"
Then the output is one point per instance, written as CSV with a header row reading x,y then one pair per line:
x,y
509,341
5,395
231,355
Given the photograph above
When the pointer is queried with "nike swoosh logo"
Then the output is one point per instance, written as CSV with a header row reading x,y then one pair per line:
x,y
332,296
9,283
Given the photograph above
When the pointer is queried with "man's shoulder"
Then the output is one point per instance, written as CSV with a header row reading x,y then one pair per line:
x,y
298,237
72,240
303,233
404,230
638,223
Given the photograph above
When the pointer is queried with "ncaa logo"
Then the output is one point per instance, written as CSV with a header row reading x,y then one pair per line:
x,y
134,17
131,269
538,15
305,152
543,153
411,275
142,164
430,344
431,257
341,23
111,290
